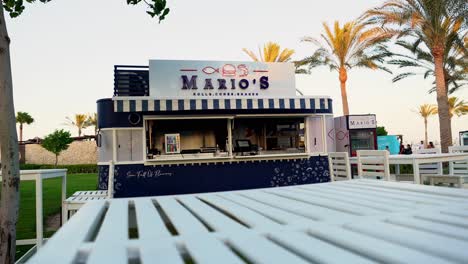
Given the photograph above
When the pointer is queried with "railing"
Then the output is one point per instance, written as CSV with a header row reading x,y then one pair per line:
x,y
131,80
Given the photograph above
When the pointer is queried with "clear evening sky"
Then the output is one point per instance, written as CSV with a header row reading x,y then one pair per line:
x,y
63,55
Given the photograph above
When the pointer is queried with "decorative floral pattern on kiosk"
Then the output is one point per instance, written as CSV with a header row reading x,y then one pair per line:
x,y
140,180
301,172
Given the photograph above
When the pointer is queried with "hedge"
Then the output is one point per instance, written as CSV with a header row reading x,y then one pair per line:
x,y
72,169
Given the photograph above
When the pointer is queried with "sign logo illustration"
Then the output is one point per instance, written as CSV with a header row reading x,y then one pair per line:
x,y
226,71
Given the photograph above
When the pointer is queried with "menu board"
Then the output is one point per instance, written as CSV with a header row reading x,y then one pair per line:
x,y
172,143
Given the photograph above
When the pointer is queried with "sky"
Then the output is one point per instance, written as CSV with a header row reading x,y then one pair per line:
x,y
63,55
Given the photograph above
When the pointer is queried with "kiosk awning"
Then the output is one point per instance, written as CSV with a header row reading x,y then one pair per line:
x,y
299,105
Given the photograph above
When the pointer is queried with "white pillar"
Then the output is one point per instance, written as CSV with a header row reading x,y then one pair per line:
x,y
39,224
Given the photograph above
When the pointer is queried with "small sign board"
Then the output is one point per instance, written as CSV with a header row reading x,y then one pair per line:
x,y
221,79
362,121
172,143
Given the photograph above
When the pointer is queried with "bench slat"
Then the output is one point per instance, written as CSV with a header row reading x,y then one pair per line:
x,y
150,224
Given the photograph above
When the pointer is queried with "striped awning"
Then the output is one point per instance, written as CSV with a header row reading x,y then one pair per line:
x,y
298,104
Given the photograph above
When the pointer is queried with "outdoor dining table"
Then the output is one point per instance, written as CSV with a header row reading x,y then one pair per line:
x,y
418,159
355,221
39,176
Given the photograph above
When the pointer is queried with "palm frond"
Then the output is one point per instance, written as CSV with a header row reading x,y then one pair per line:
x,y
402,76
251,54
271,52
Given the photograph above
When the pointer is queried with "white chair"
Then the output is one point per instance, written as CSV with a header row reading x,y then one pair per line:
x,y
431,168
373,164
458,170
424,169
458,167
339,166
79,198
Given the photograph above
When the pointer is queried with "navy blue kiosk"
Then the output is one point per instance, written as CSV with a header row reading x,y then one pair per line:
x,y
177,127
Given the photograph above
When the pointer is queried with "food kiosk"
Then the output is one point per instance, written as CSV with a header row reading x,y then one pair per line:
x,y
176,127
355,132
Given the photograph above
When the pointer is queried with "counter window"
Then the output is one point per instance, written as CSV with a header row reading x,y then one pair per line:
x,y
186,139
264,136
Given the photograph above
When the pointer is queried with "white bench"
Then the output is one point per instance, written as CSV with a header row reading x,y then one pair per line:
x,y
451,179
458,170
91,193
79,198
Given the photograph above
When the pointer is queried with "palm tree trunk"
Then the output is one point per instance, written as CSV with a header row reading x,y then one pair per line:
x,y
9,151
21,132
425,132
445,125
344,97
79,132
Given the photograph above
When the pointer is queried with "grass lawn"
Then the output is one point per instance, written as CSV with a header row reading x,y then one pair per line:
x,y
26,227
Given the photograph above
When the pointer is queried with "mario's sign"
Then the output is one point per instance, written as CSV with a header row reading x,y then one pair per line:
x,y
208,79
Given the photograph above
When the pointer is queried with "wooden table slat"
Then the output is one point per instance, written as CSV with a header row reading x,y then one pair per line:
x,y
150,253
249,217
446,247
215,219
279,215
258,249
408,194
307,210
149,222
443,193
460,211
444,218
181,218
113,235
374,195
371,247
346,197
438,228
210,251
316,250
328,203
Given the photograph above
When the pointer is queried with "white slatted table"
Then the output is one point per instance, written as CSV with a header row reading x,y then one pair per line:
x,y
39,176
417,159
357,221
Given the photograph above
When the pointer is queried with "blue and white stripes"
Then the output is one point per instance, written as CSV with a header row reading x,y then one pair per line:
x,y
303,104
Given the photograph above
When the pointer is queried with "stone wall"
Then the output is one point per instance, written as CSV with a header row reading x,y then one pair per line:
x,y
79,152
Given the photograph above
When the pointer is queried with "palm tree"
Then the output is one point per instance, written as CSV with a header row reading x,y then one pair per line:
x,y
79,121
457,107
425,111
455,66
271,53
438,25
23,118
352,45
92,121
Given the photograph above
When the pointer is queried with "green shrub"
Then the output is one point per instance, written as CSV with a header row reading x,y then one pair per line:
x,y
72,169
